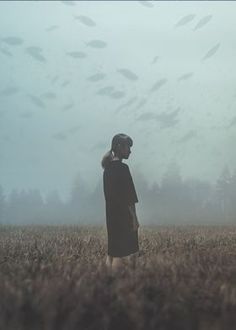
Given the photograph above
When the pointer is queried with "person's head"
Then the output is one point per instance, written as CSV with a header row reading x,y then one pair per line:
x,y
120,147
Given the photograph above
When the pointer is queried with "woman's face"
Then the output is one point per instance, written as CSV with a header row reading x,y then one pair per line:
x,y
124,151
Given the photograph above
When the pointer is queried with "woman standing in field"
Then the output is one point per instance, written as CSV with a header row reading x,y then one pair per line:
x,y
120,197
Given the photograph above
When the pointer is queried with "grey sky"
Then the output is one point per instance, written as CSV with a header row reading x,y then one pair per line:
x,y
45,147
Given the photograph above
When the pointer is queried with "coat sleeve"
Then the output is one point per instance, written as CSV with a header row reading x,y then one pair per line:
x,y
130,194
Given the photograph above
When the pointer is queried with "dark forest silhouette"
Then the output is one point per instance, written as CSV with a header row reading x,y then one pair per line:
x,y
173,201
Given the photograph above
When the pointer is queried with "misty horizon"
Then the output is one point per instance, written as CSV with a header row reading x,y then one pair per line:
x,y
73,75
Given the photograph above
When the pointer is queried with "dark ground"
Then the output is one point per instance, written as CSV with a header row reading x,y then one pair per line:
x,y
54,277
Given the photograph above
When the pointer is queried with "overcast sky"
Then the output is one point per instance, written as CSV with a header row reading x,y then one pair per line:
x,y
73,75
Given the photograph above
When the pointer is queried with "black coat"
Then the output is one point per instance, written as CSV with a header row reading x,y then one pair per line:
x,y
119,192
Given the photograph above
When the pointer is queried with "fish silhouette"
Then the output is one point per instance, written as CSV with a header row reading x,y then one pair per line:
x,y
147,116
168,119
232,122
188,136
27,114
74,129
105,90
128,74
67,106
155,59
96,44
141,103
85,20
77,54
211,52
35,52
13,41
49,95
203,21
60,136
52,28
158,85
185,76
185,20
146,4
54,79
96,77
68,3
6,52
9,91
117,94
131,101
35,49
36,101
65,83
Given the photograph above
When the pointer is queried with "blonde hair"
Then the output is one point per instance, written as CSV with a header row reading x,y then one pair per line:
x,y
107,158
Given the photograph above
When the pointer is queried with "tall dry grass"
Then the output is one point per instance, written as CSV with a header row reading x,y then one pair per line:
x,y
54,277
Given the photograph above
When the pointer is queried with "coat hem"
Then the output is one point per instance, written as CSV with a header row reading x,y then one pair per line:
x,y
114,255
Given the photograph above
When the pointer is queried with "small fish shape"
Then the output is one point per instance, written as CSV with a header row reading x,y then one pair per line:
x,y
185,76
141,103
77,54
49,95
128,74
131,101
96,77
155,59
13,41
168,119
85,20
146,4
67,106
27,114
185,20
36,101
211,52
9,91
158,85
127,104
105,90
117,94
96,44
35,52
68,3
65,83
203,21
232,123
34,49
190,135
54,79
74,129
60,136
38,57
6,52
147,116
52,28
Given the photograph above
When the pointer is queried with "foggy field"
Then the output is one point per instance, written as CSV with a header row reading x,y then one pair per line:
x,y
54,277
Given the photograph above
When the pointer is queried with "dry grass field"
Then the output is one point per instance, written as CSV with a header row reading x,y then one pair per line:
x,y
54,277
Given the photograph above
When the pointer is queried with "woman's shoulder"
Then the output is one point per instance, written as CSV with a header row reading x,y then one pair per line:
x,y
124,165
117,166
118,163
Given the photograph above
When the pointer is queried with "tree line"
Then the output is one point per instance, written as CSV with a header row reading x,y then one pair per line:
x,y
172,201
